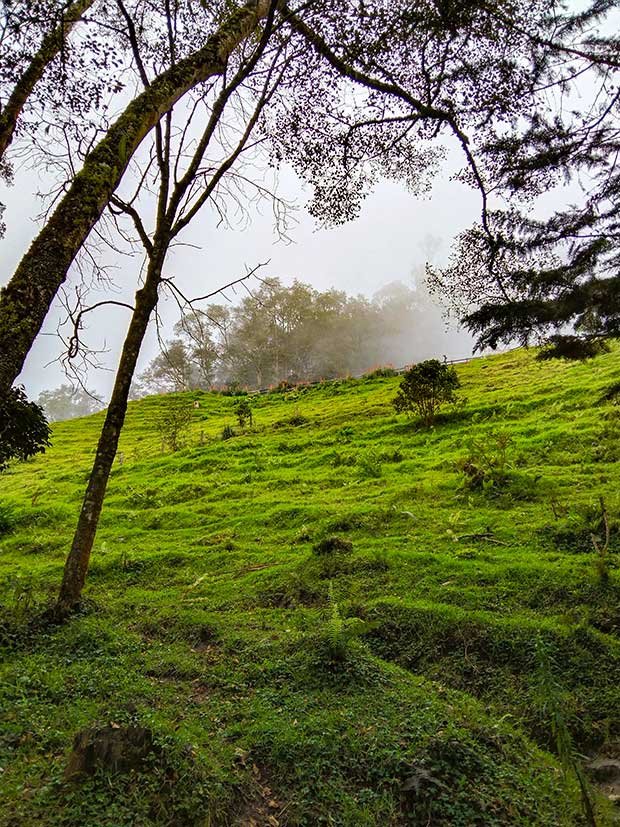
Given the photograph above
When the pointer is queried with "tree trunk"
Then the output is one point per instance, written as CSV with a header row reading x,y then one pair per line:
x,y
76,565
49,49
25,301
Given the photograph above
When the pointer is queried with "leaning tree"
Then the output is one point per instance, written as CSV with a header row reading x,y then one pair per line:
x,y
188,180
427,72
358,92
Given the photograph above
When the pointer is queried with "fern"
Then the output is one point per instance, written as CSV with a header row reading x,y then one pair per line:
x,y
550,692
340,631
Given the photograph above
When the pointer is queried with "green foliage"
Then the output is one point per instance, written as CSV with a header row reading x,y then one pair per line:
x,y
172,421
552,700
207,612
243,411
24,431
8,518
574,348
281,336
339,631
297,420
331,545
369,464
425,388
228,432
381,373
66,402
486,466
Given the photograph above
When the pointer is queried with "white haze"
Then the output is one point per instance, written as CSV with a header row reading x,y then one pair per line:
x,y
388,242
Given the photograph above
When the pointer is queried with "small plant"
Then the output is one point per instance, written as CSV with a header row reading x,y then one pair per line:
x,y
612,394
172,421
339,458
143,498
22,589
339,631
601,546
345,434
369,464
551,702
284,387
243,410
486,465
425,388
228,432
392,456
7,518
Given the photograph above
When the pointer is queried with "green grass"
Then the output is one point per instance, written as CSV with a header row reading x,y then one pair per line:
x,y
208,617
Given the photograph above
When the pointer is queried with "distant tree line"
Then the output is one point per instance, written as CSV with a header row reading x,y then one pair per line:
x,y
296,334
67,402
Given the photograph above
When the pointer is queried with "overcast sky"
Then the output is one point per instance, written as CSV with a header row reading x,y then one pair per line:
x,y
384,244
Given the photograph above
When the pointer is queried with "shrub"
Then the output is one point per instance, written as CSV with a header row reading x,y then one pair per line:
x,y
227,432
574,348
24,431
612,394
486,465
243,410
172,420
392,456
345,434
425,388
283,387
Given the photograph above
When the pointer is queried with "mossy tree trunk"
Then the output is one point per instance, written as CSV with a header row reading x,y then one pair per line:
x,y
25,301
76,565
50,47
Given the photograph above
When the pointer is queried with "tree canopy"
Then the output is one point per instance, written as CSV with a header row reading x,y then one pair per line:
x,y
368,91
528,272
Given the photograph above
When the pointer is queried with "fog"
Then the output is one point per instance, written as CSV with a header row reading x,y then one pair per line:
x,y
388,242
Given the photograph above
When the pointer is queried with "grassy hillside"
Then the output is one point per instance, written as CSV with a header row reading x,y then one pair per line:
x,y
218,619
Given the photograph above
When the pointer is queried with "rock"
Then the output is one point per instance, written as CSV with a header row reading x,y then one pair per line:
x,y
113,747
605,769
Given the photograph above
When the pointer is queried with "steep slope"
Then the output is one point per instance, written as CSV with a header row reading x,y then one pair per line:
x,y
216,619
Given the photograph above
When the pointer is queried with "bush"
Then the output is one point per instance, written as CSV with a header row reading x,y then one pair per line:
x,y
487,468
574,348
486,465
24,431
172,421
425,388
243,410
340,631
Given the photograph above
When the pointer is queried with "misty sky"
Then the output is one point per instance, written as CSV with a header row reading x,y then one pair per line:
x,y
386,243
